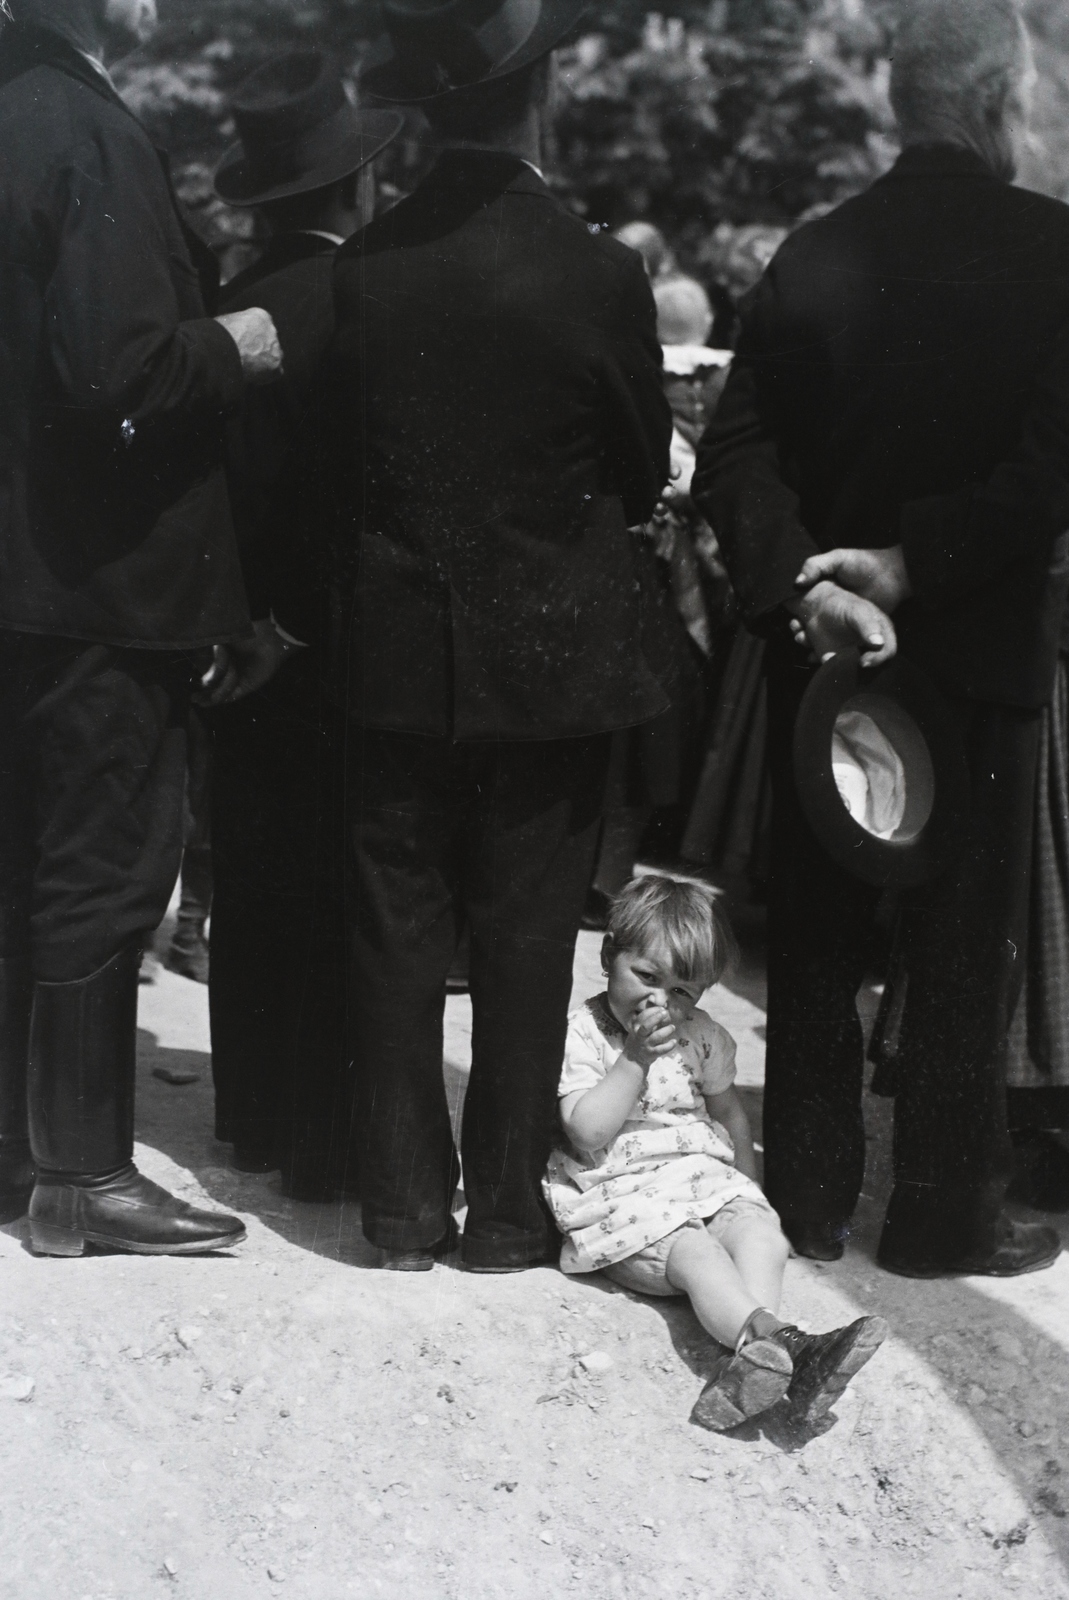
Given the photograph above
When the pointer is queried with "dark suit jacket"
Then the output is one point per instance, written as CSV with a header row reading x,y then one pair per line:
x,y
498,383
280,481
114,519
903,376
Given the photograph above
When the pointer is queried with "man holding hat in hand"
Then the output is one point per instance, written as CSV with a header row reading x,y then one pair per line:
x,y
498,385
888,470
277,979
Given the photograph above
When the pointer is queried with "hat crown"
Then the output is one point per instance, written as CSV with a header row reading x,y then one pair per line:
x,y
457,42
286,98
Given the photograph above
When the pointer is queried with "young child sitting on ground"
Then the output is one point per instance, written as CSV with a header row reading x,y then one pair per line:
x,y
659,1186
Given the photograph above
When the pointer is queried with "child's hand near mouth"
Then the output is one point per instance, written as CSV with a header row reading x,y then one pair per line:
x,y
652,1033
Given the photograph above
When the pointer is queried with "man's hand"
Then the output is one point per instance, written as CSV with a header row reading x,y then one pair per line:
x,y
876,575
254,333
242,668
829,619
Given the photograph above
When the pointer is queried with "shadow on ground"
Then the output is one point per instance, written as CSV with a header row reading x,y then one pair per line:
x,y
178,1120
993,1359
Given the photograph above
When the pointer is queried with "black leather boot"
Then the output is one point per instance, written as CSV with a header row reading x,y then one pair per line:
x,y
1040,1171
82,1059
929,1233
746,1383
16,1162
824,1363
819,1241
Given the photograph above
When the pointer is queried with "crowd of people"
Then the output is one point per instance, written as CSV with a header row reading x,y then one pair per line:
x,y
423,514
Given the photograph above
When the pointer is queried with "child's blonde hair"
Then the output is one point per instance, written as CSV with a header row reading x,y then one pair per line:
x,y
684,918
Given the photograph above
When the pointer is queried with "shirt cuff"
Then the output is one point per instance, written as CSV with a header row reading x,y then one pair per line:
x,y
299,644
221,353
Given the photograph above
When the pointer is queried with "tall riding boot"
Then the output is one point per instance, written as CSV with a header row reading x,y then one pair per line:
x,y
82,1057
16,1162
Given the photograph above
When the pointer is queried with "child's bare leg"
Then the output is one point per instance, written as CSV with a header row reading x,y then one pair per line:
x,y
758,1375
702,1268
759,1251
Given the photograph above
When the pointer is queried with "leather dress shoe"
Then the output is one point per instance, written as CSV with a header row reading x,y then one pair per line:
x,y
824,1363
122,1211
1017,1247
502,1248
818,1241
254,1158
1040,1172
17,1174
16,1159
422,1259
744,1385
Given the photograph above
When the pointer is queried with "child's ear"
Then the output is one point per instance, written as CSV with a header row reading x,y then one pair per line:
x,y
608,950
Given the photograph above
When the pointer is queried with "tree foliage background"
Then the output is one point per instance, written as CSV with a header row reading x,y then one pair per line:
x,y
723,121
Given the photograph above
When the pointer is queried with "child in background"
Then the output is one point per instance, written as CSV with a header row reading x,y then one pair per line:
x,y
658,1188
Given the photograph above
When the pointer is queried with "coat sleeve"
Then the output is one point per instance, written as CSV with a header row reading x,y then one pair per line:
x,y
739,487
956,544
119,348
639,419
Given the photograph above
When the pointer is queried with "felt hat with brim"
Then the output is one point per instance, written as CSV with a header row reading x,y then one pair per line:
x,y
433,48
298,131
880,770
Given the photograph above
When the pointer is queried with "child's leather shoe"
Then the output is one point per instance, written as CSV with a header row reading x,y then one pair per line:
x,y
744,1385
824,1363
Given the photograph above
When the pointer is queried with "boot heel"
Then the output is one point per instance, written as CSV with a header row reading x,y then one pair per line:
x,y
48,1240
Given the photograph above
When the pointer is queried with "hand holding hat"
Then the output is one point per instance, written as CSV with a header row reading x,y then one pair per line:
x,y
849,597
876,575
830,619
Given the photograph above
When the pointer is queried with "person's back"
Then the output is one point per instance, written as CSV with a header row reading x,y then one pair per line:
x,y
301,163
887,469
895,349
899,340
117,560
497,380
506,360
117,523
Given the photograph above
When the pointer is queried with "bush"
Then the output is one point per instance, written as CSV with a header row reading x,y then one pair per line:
x,y
714,117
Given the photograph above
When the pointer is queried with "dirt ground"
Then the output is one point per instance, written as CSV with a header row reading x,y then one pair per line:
x,y
287,1420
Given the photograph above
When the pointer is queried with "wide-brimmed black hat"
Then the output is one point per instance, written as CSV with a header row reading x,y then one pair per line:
x,y
880,769
432,48
298,131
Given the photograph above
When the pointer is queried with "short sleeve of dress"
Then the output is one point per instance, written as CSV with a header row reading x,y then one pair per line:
x,y
717,1071
584,1058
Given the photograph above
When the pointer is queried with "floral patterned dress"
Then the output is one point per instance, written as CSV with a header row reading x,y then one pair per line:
x,y
669,1164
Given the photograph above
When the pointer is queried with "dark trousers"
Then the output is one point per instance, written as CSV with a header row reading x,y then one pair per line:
x,y
959,938
92,772
278,964
500,837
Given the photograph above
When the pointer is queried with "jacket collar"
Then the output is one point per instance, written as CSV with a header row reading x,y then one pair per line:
x,y
941,161
486,171
282,250
24,46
